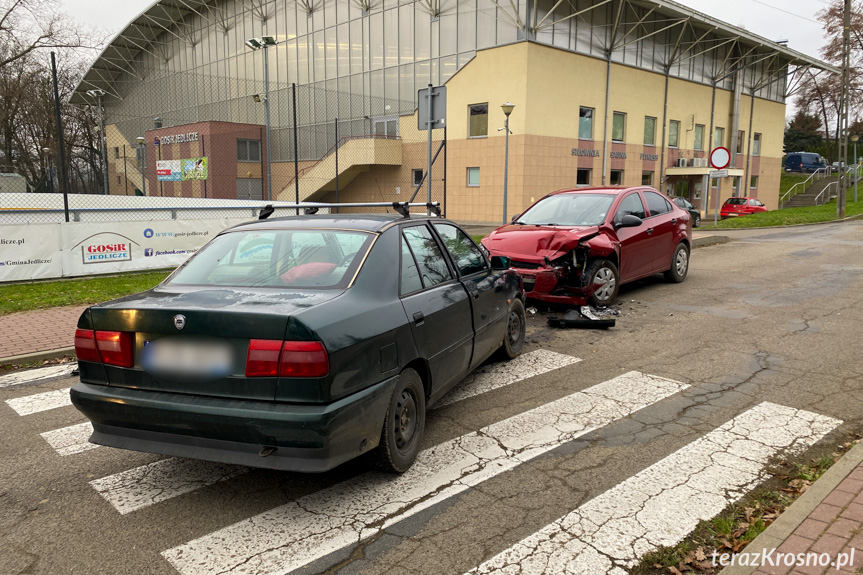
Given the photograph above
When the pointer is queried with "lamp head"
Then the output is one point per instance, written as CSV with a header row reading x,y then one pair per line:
x,y
268,41
140,140
258,98
855,138
507,108
96,93
253,43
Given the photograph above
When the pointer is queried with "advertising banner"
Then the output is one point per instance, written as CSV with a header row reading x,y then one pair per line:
x,y
194,169
168,170
29,252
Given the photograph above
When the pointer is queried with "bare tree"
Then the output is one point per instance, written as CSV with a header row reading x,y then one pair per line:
x,y
30,25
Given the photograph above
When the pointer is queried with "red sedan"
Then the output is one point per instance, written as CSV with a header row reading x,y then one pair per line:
x,y
578,246
734,207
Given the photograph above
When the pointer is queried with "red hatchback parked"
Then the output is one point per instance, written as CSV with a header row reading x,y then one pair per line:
x,y
734,207
578,246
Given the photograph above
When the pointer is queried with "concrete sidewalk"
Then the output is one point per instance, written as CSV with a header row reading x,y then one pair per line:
x,y
38,334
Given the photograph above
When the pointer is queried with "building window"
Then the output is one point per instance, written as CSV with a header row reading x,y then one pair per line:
x,y
714,182
699,136
582,178
673,133
735,184
647,179
473,177
248,150
585,123
118,179
718,137
616,177
649,131
741,135
417,177
478,121
116,152
753,182
618,127
756,144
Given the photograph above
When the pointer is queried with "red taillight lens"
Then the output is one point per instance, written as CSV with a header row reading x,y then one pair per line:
x,y
115,347
85,345
270,358
304,359
263,358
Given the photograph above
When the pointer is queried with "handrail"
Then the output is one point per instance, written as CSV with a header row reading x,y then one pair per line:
x,y
339,144
805,183
827,187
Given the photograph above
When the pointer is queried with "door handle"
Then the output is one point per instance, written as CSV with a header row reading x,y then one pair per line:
x,y
475,294
419,318
673,220
649,231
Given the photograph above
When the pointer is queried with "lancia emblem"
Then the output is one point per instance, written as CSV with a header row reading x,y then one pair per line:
x,y
179,321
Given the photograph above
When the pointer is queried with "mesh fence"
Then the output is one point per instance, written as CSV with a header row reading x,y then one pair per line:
x,y
215,159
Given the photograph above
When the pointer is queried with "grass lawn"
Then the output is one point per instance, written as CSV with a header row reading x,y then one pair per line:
x,y
38,295
786,217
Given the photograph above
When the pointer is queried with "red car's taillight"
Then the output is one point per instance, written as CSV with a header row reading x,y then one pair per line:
x,y
85,345
269,358
115,347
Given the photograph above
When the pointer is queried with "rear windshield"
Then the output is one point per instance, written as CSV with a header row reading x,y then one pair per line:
x,y
307,258
735,201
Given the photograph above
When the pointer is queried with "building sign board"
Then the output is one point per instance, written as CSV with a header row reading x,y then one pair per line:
x,y
168,170
718,173
177,138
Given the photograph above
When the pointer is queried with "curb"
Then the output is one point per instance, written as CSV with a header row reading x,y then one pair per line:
x,y
797,512
37,356
848,219
708,241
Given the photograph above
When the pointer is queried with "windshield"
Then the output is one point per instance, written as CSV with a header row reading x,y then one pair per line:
x,y
308,258
569,210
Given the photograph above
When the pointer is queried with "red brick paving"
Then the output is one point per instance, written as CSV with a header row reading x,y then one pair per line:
x,y
39,330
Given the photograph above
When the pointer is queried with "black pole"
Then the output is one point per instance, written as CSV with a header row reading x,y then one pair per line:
x,y
63,180
204,155
337,161
296,150
125,174
161,190
445,147
261,139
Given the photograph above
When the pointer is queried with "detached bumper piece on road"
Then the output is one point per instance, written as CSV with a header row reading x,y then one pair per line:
x,y
288,437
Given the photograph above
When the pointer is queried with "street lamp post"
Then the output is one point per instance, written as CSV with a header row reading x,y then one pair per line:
x,y
855,139
255,44
98,95
507,110
142,143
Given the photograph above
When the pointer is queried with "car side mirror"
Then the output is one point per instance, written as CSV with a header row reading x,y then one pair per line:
x,y
514,217
500,263
628,221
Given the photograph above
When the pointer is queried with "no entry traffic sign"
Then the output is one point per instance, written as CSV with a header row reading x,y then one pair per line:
x,y
720,158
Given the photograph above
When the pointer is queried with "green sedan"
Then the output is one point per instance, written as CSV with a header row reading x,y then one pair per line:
x,y
298,343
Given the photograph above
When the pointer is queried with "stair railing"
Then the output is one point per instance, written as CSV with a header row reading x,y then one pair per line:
x,y
817,174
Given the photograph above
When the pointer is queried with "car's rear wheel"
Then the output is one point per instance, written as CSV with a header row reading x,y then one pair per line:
x,y
679,264
404,424
697,221
605,276
516,326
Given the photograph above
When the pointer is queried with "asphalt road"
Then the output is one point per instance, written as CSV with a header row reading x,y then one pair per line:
x,y
593,448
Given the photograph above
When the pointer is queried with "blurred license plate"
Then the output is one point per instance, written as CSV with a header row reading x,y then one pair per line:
x,y
181,356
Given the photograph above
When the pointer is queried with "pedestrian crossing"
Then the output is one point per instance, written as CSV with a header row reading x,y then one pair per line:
x,y
656,506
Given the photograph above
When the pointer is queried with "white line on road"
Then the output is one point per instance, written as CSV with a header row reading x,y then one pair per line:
x,y
71,440
34,375
40,402
662,504
499,375
165,479
290,536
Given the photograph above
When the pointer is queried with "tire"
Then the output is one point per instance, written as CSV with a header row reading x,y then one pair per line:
x,y
404,424
697,221
605,273
513,339
679,264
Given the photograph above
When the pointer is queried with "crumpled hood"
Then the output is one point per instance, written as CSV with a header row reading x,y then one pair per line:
x,y
534,243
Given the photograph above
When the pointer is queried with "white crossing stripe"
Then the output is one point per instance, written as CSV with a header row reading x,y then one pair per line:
x,y
71,440
40,402
662,504
292,535
34,375
165,479
497,375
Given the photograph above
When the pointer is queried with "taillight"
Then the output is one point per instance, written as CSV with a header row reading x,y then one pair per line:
x,y
115,347
304,359
263,358
269,358
85,345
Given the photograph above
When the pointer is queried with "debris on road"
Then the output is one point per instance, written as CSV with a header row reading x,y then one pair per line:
x,y
584,317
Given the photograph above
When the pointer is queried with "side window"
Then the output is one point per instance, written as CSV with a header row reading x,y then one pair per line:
x,y
410,275
430,261
631,205
656,203
467,257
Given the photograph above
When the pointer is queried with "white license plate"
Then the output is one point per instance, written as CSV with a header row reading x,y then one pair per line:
x,y
183,356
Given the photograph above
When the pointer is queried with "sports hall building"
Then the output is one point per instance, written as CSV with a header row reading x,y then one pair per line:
x,y
606,92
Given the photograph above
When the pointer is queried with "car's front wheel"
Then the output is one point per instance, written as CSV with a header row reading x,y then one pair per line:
x,y
404,424
604,275
516,326
679,264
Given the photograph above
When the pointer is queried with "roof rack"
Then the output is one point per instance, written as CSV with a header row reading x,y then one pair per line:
x,y
311,208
